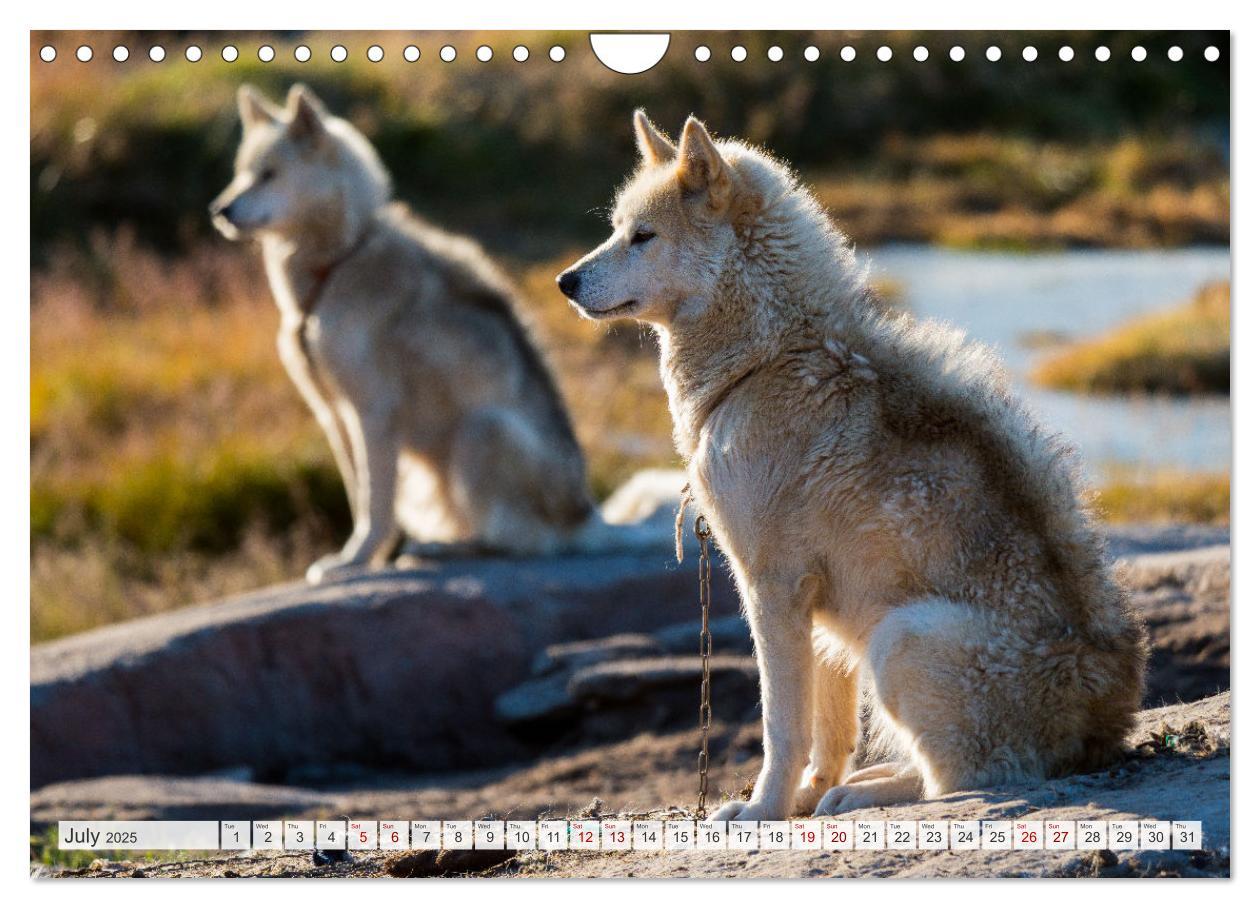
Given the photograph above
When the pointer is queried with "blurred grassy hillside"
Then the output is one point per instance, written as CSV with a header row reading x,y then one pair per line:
x,y
171,459
521,154
1185,350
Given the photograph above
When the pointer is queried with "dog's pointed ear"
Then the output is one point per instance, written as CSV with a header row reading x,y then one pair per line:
x,y
255,110
654,146
701,168
305,113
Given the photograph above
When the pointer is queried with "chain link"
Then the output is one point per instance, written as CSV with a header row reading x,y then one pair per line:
x,y
703,535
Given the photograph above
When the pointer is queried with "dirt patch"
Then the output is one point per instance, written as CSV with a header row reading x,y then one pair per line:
x,y
652,774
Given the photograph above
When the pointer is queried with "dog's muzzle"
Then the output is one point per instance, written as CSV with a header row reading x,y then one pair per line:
x,y
220,211
224,216
570,282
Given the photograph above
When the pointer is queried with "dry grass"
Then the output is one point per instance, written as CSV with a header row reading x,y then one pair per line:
x,y
987,191
171,459
896,156
1185,350
100,580
160,415
173,462
1167,497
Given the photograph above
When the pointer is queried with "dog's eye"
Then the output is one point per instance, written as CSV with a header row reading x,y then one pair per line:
x,y
641,236
267,175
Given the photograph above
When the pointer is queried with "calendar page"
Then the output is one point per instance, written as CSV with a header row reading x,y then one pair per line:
x,y
670,453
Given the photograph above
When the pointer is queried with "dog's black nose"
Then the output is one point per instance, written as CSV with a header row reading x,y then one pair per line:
x,y
569,282
218,208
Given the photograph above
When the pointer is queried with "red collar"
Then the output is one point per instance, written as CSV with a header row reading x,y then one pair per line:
x,y
321,274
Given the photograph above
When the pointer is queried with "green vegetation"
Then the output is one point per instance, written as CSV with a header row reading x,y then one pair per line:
x,y
1180,351
980,190
170,456
1166,498
171,459
970,153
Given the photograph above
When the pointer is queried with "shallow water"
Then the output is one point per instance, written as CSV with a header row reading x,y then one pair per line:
x,y
999,297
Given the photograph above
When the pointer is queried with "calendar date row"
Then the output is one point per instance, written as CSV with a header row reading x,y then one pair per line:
x,y
707,835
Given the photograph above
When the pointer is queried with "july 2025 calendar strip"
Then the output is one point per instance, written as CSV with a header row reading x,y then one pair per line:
x,y
624,835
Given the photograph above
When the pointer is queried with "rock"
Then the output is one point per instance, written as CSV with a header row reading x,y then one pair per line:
x,y
1199,571
392,668
547,701
539,700
572,656
404,669
166,798
629,680
618,698
322,857
622,699
730,635
1131,539
1184,597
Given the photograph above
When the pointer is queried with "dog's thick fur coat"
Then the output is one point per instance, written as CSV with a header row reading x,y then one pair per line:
x,y
887,506
404,341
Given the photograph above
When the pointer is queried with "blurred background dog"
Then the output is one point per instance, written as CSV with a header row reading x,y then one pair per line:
x,y
1073,215
442,416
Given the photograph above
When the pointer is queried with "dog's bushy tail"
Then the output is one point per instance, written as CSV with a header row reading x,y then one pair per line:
x,y
638,516
597,537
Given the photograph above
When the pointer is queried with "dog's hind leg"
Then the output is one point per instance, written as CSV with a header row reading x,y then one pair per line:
x,y
836,722
506,485
876,771
904,785
961,693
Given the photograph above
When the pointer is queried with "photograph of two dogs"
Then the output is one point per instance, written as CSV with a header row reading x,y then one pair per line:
x,y
884,501
919,555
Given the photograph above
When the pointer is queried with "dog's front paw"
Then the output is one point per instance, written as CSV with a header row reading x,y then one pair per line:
x,y
813,786
841,799
747,811
326,568
844,797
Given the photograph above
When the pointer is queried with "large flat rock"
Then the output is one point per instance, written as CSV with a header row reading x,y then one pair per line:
x,y
386,669
167,798
401,669
1184,597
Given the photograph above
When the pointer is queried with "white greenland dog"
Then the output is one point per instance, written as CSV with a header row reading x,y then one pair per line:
x,y
441,414
888,508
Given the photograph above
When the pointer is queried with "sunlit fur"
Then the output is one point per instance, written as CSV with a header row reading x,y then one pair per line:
x,y
890,511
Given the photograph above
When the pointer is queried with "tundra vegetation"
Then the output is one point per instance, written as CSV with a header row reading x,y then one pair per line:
x,y
1180,351
171,459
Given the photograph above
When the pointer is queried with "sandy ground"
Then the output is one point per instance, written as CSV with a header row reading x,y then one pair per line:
x,y
651,774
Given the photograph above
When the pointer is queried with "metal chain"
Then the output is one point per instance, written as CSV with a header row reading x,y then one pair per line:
x,y
703,535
